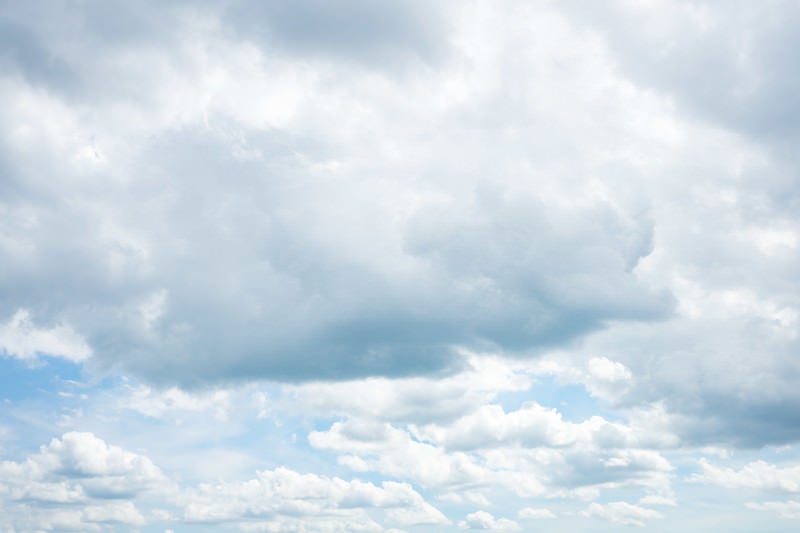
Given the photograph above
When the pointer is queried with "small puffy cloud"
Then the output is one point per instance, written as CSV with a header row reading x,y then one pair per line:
x,y
78,467
22,339
485,521
622,513
530,426
531,513
758,475
77,482
157,403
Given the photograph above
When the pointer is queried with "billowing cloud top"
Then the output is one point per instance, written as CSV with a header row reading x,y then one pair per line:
x,y
304,191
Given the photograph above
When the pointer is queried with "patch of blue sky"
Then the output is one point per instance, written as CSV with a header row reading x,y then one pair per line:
x,y
21,380
571,400
33,398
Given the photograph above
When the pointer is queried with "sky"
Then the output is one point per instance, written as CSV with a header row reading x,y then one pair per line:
x,y
399,266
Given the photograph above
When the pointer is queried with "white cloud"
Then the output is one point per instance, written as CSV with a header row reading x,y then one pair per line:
x,y
20,338
77,482
208,195
283,499
410,399
530,426
160,403
77,467
530,452
622,513
389,450
485,521
758,475
113,513
532,513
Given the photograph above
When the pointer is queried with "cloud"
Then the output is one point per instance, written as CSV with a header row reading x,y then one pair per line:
x,y
531,513
409,400
20,338
77,482
282,500
485,521
622,513
530,426
348,30
758,475
605,378
116,513
483,255
333,239
159,403
788,509
729,65
531,452
79,466
752,405
383,448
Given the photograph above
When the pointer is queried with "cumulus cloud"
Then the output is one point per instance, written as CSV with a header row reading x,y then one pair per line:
x,y
622,513
296,193
321,257
530,452
79,466
758,475
397,221
409,400
76,482
283,500
21,338
159,403
602,377
485,521
79,482
381,447
530,426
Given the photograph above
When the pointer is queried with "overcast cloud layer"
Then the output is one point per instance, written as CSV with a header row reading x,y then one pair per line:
x,y
399,266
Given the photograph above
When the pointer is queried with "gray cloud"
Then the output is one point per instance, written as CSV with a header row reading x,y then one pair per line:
x,y
733,64
193,231
357,30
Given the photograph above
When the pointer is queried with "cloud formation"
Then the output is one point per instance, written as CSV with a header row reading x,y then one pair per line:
x,y
396,266
327,251
622,513
283,500
20,338
76,482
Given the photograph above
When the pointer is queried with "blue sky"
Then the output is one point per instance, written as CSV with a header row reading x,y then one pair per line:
x,y
399,266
